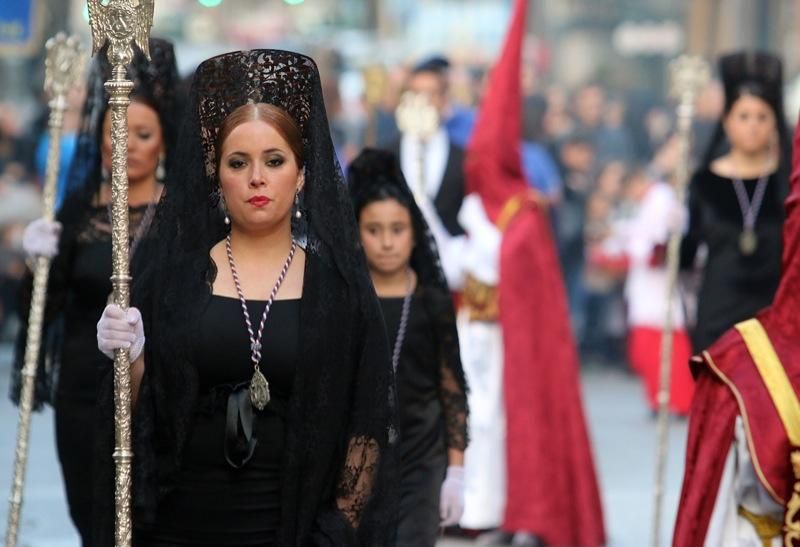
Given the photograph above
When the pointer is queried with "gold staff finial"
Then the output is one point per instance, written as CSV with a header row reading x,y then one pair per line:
x,y
120,23
688,76
64,65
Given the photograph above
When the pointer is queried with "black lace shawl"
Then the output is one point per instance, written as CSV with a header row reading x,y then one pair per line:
x,y
374,175
155,83
339,470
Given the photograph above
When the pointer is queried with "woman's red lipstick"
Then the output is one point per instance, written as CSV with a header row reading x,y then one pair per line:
x,y
259,201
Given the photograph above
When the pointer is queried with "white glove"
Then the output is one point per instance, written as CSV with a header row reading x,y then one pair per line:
x,y
40,238
118,329
678,219
481,257
451,499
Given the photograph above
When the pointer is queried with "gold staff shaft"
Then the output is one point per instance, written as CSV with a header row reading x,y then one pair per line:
x,y
120,23
689,74
63,63
119,89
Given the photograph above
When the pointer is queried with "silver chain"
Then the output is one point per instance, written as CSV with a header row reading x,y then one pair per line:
x,y
401,331
750,209
255,341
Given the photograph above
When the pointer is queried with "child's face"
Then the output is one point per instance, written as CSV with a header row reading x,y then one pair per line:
x,y
387,236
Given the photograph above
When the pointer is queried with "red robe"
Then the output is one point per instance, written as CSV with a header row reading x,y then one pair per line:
x,y
551,485
552,489
729,385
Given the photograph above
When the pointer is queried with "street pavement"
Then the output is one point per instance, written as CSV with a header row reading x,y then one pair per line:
x,y
622,429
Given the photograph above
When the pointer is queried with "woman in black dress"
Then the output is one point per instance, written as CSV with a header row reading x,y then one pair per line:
x,y
80,244
420,320
263,391
736,199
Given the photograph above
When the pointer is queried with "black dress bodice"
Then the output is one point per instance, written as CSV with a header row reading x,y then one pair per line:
x,y
735,286
432,403
228,493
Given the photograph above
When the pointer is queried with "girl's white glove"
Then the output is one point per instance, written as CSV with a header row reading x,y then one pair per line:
x,y
451,499
40,238
118,329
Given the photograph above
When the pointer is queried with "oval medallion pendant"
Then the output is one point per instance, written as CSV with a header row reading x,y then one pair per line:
x,y
259,390
748,242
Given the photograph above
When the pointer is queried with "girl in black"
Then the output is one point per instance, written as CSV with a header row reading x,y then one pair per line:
x,y
80,245
736,198
420,321
260,366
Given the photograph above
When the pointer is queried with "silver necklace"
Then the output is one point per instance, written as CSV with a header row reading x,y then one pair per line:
x,y
259,387
748,240
401,331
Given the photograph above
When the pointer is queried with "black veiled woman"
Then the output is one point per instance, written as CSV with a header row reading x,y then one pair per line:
x,y
421,322
736,198
260,363
80,244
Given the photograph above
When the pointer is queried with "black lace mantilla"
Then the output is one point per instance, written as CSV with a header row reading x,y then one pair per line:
x,y
280,78
156,83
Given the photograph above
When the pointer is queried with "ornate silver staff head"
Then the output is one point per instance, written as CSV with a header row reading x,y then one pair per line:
x,y
688,75
417,116
119,22
64,65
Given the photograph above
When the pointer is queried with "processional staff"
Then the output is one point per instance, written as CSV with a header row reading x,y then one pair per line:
x,y
688,76
375,81
120,23
417,117
64,64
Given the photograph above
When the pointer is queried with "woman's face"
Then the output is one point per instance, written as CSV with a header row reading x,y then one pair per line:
x,y
387,235
750,125
259,177
145,142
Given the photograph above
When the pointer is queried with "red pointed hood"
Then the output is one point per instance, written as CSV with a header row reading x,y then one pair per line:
x,y
493,165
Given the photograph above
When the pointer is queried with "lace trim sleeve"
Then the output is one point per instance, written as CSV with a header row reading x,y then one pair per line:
x,y
365,502
357,478
452,383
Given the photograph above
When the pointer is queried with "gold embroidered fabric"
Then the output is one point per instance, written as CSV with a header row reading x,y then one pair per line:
x,y
480,300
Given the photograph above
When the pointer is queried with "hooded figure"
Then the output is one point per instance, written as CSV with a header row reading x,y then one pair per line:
x,y
518,351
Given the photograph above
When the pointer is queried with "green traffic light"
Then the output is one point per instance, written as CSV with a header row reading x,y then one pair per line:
x,y
209,3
